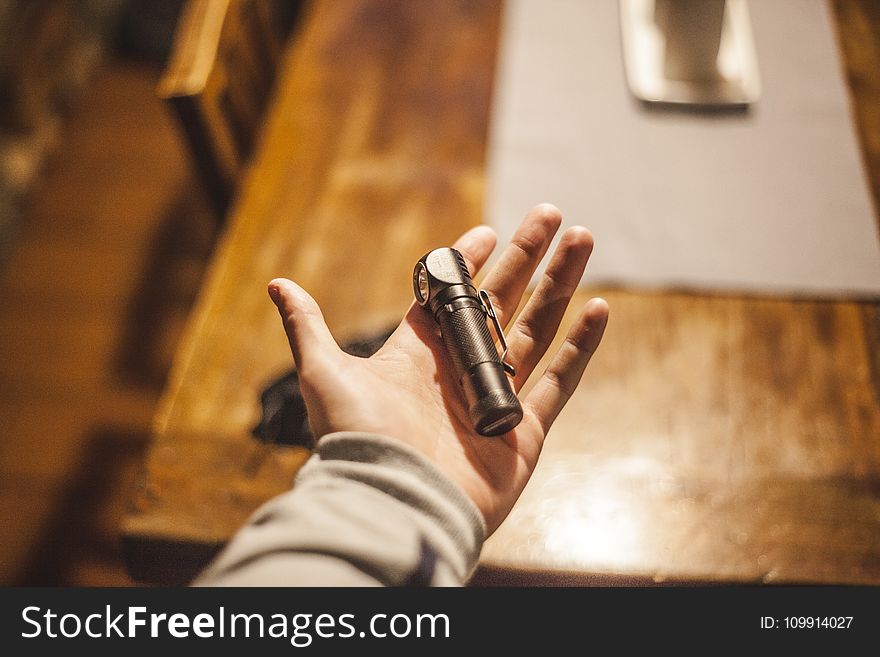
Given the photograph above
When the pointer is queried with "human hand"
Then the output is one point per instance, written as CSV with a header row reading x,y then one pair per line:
x,y
407,390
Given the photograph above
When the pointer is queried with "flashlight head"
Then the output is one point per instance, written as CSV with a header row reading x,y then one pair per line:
x,y
439,276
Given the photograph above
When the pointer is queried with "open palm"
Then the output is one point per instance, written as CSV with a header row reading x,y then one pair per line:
x,y
408,389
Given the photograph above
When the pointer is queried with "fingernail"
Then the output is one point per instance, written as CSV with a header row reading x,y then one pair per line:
x,y
275,293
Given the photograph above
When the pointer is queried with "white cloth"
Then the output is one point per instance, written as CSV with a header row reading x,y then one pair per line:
x,y
774,201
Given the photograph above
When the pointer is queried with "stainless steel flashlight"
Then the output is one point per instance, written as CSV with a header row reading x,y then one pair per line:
x,y
442,284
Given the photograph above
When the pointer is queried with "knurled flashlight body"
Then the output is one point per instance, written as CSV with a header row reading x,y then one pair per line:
x,y
443,285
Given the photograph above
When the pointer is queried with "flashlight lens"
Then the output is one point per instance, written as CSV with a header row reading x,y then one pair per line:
x,y
421,286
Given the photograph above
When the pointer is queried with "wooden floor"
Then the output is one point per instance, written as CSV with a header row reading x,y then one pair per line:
x,y
94,293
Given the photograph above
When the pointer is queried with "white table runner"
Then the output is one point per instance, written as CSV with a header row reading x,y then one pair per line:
x,y
774,201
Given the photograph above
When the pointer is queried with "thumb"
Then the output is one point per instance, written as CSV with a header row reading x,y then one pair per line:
x,y
310,339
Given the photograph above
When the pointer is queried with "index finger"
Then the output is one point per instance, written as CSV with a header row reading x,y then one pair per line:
x,y
507,280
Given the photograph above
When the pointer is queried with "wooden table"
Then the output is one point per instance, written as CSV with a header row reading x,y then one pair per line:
x,y
713,438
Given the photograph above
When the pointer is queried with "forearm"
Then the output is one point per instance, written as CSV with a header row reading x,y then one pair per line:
x,y
365,511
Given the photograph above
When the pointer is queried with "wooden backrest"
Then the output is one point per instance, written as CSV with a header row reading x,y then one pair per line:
x,y
219,79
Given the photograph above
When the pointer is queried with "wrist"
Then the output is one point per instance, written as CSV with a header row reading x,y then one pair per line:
x,y
449,519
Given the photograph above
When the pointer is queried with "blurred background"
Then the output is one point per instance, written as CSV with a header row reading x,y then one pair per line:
x,y
103,239
107,229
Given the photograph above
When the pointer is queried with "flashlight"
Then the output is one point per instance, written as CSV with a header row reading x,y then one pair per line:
x,y
442,284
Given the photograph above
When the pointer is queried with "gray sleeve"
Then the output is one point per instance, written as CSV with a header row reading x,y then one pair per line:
x,y
366,510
